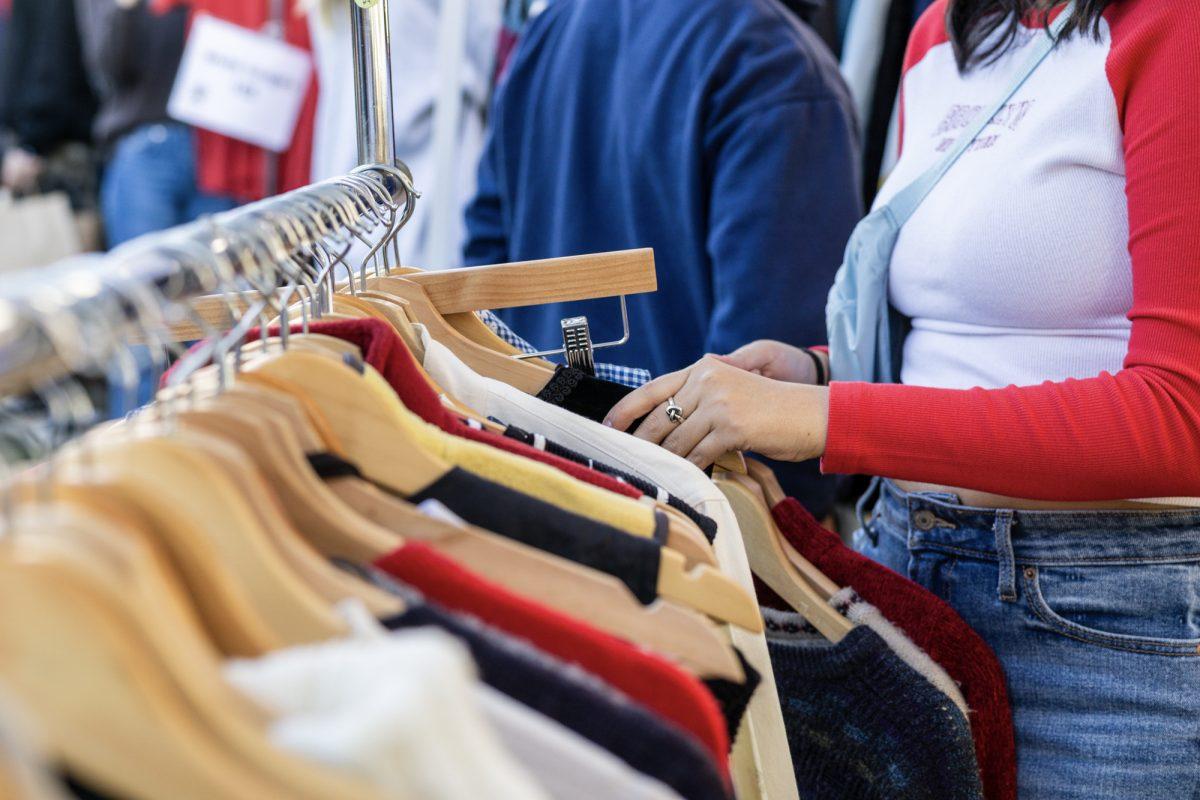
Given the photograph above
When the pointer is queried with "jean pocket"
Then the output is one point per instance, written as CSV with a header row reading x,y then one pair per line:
x,y
1152,609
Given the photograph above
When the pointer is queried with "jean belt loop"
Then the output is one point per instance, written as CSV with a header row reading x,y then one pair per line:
x,y
1002,528
860,508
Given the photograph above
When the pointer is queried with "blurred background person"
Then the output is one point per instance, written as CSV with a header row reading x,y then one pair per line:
x,y
443,58
718,132
46,104
149,180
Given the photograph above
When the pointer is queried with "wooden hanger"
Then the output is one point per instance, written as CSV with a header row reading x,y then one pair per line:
x,y
529,378
322,518
365,423
772,495
554,280
765,478
707,590
250,597
397,310
768,561
182,732
397,314
156,594
283,408
531,283
471,326
259,450
678,633
574,589
152,745
363,419
683,535
354,306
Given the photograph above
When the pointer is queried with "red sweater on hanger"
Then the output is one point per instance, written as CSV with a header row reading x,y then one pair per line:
x,y
238,169
644,677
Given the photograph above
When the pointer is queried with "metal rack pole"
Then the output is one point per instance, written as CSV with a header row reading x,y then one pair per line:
x,y
373,81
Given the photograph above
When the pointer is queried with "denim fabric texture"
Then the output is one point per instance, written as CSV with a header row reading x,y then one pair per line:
x,y
1095,616
150,184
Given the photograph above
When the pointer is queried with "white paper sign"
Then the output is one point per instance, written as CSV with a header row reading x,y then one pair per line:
x,y
241,83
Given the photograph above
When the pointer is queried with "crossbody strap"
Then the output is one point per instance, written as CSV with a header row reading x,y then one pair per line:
x,y
905,203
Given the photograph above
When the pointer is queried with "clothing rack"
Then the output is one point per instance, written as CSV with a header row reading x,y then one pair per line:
x,y
371,28
256,263
44,313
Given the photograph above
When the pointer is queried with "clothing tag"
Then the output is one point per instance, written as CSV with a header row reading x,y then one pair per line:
x,y
240,83
434,509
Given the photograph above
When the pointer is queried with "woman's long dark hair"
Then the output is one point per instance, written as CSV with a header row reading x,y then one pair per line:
x,y
973,24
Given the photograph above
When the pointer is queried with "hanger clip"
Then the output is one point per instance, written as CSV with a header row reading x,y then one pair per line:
x,y
577,344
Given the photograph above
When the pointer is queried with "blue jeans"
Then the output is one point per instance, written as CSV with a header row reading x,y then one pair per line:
x,y
150,183
1095,616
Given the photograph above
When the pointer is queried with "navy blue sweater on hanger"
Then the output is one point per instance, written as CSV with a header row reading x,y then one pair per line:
x,y
717,132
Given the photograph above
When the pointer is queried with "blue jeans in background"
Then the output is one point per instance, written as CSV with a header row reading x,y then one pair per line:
x,y
1095,616
150,183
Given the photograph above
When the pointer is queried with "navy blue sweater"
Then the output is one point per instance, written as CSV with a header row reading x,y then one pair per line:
x,y
717,132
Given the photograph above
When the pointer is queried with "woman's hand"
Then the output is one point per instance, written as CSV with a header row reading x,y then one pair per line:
x,y
777,361
726,408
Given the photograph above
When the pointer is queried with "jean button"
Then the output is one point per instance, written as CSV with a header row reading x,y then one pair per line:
x,y
925,520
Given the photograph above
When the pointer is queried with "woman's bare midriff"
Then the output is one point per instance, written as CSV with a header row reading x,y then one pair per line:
x,y
971,497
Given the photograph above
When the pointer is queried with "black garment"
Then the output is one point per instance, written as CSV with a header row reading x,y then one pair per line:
x,y
707,525
593,398
80,790
47,99
734,698
579,701
551,529
547,527
132,55
328,466
582,394
863,725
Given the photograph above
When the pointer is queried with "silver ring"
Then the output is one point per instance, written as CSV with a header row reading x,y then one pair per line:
x,y
674,412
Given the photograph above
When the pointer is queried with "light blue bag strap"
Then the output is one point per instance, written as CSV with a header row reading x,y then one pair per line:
x,y
905,203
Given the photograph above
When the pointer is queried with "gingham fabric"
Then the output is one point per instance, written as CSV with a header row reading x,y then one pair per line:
x,y
626,376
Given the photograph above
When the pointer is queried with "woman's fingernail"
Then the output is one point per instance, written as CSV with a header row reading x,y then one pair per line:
x,y
607,422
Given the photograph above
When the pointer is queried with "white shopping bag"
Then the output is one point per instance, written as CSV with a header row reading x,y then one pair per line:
x,y
36,231
241,83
